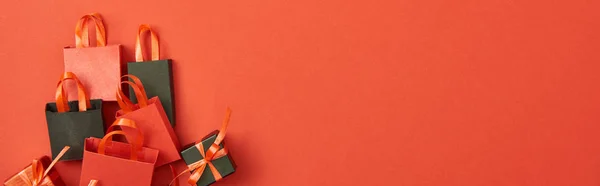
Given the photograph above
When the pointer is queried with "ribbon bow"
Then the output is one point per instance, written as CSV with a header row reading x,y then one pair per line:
x,y
38,170
213,152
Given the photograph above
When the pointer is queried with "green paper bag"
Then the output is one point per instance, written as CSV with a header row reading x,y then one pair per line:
x,y
156,74
69,123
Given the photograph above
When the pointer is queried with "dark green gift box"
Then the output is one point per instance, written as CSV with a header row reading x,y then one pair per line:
x,y
72,127
224,165
156,76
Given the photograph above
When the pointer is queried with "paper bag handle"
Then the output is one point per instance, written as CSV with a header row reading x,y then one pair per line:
x,y
81,31
93,183
138,88
135,145
124,122
102,146
62,104
139,55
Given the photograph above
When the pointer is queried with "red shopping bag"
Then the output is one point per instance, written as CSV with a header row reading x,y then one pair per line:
x,y
114,163
151,119
99,68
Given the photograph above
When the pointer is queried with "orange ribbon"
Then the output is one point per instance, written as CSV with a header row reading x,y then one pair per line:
x,y
81,31
136,145
38,170
213,152
140,93
174,175
139,56
93,183
62,104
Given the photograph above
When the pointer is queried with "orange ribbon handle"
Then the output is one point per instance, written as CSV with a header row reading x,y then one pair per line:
x,y
93,183
81,31
138,88
126,102
122,122
213,152
38,170
102,146
174,175
139,55
62,104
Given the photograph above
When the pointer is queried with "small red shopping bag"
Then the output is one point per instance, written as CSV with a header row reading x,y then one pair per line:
x,y
99,67
151,120
114,163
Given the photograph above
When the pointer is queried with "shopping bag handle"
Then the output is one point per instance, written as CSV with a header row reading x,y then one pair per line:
x,y
138,88
135,145
81,31
93,183
102,146
62,103
124,122
139,55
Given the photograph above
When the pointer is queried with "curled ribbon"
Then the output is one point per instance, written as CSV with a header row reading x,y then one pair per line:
x,y
213,152
140,93
38,170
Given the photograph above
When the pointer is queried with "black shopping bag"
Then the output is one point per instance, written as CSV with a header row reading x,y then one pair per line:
x,y
156,74
70,122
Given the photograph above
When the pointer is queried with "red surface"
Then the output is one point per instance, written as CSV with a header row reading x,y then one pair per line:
x,y
388,92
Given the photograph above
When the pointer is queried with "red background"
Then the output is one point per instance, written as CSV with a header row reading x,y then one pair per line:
x,y
383,92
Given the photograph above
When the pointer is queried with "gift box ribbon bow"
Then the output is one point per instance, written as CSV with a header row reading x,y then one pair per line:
x,y
213,152
38,170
